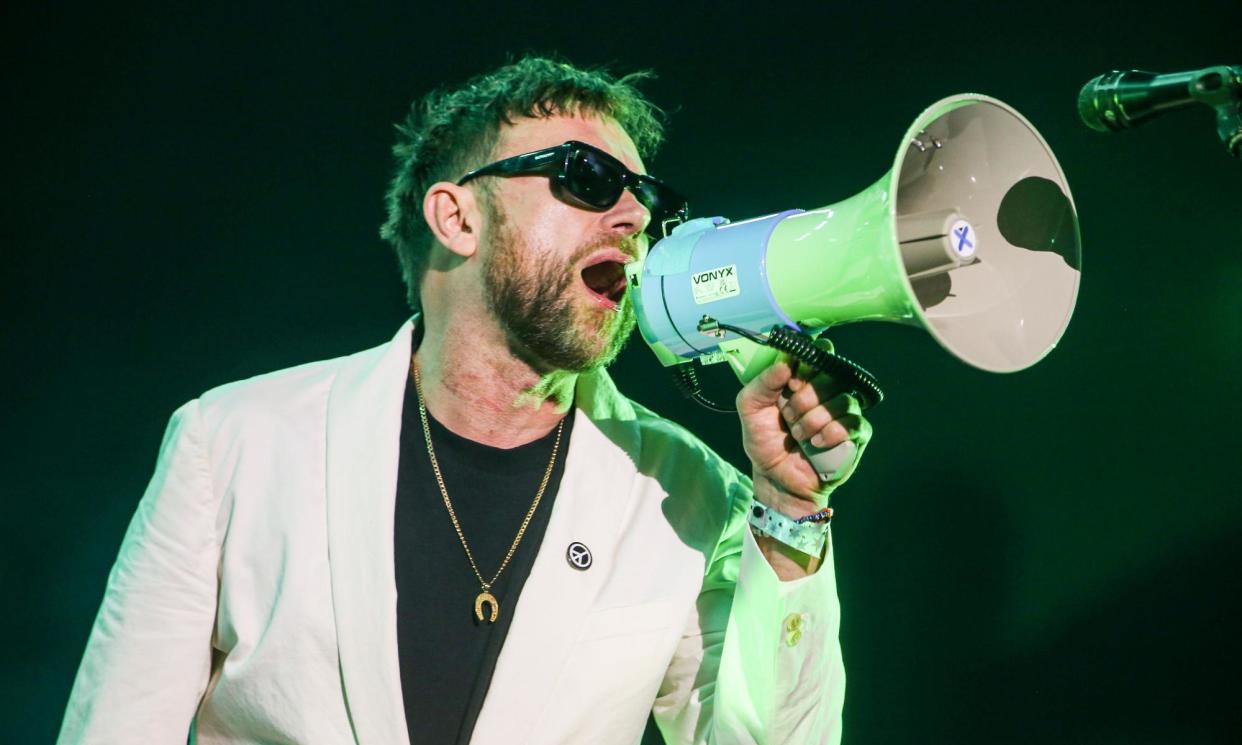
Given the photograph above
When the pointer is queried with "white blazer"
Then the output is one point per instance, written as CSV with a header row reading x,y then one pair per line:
x,y
253,599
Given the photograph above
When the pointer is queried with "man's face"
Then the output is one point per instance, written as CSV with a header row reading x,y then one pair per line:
x,y
553,274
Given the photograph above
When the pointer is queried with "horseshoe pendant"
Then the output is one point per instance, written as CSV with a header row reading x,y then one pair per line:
x,y
490,599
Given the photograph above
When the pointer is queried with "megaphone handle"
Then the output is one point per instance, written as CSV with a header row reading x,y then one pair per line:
x,y
831,464
749,355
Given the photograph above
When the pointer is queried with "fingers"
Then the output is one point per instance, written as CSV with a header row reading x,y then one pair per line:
x,y
824,425
805,395
830,433
794,386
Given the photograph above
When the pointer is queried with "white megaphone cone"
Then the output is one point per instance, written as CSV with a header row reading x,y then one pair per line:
x,y
972,236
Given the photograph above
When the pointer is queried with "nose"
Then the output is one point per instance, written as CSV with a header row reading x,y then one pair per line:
x,y
628,216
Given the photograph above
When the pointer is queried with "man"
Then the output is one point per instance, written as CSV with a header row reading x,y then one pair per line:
x,y
467,534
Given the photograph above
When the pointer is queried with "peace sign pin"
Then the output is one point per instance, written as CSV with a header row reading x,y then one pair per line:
x,y
578,556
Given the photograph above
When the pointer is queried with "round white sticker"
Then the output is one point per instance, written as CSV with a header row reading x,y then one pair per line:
x,y
963,239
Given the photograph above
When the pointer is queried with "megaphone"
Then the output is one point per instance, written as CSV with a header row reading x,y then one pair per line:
x,y
972,236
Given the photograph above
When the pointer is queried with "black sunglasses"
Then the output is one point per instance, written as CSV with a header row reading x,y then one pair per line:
x,y
593,179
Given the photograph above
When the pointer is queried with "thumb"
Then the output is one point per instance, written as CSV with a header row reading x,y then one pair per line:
x,y
767,388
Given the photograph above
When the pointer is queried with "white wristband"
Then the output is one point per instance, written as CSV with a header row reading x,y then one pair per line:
x,y
807,537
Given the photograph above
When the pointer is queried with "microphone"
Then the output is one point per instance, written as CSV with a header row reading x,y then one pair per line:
x,y
1122,99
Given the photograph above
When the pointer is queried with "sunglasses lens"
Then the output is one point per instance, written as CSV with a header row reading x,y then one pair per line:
x,y
593,180
596,180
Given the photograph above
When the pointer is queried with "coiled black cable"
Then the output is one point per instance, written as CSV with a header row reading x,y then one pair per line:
x,y
860,383
845,371
686,378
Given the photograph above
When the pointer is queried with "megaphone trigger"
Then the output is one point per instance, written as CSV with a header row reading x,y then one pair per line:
x,y
832,465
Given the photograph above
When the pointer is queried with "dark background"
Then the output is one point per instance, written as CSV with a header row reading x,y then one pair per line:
x,y
1049,556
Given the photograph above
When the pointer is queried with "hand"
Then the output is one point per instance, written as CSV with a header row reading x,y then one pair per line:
x,y
783,407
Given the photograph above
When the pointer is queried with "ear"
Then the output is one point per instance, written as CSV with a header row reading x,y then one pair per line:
x,y
453,216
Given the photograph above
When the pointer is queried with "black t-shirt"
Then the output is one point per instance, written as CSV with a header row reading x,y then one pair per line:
x,y
446,655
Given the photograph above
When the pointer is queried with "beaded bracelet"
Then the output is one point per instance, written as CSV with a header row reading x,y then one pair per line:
x,y
823,516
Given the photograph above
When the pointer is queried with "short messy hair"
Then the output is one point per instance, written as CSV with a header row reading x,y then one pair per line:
x,y
450,131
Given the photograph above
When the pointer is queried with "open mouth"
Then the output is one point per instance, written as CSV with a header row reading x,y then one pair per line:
x,y
606,280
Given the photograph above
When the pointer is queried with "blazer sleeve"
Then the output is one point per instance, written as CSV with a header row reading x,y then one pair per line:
x,y
148,658
760,660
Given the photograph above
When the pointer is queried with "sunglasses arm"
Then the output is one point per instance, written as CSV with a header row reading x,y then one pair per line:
x,y
537,162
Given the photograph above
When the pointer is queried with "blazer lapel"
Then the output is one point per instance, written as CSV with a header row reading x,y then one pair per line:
x,y
363,445
589,509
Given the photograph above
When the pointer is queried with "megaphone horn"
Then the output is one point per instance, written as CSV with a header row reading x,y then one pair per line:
x,y
972,236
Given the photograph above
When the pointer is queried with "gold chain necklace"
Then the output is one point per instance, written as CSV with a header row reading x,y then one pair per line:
x,y
485,595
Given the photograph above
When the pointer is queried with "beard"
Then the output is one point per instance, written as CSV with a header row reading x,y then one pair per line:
x,y
548,323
